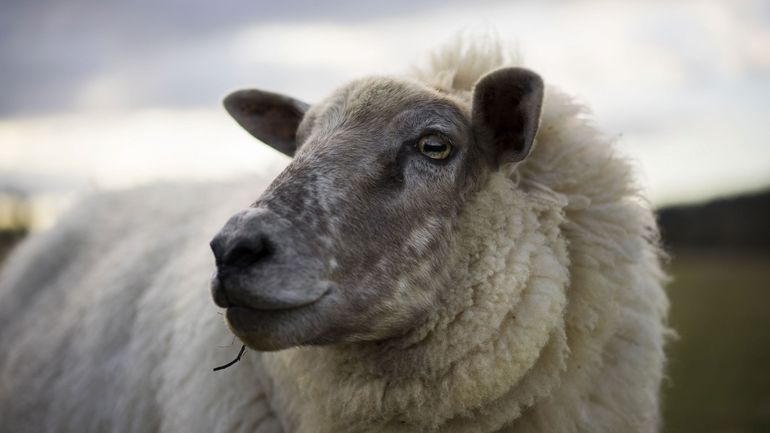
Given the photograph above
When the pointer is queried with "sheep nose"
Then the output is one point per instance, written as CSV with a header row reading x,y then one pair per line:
x,y
239,253
262,264
242,250
232,257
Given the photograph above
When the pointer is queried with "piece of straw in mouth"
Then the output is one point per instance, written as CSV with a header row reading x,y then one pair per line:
x,y
237,358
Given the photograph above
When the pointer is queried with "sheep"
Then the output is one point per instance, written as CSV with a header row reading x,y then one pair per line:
x,y
456,250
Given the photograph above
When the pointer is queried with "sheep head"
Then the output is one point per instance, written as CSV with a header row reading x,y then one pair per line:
x,y
356,239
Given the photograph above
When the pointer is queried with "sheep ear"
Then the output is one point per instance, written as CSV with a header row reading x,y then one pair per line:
x,y
270,117
506,113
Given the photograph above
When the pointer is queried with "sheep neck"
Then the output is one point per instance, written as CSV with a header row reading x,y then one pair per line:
x,y
477,347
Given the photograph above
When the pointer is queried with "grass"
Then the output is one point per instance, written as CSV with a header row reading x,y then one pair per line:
x,y
719,368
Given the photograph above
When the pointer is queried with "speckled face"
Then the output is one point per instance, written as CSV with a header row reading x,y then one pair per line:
x,y
353,241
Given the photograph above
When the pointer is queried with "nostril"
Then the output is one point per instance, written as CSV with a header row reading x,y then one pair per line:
x,y
218,292
248,252
218,249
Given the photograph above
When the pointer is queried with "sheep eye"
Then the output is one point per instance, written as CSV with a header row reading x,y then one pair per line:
x,y
434,147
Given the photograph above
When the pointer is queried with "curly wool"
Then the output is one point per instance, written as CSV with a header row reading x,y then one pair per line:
x,y
556,323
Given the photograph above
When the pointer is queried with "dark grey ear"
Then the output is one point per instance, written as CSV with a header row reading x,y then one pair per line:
x,y
271,117
506,113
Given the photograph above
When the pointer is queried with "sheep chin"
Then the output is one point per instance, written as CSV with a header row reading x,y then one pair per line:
x,y
277,329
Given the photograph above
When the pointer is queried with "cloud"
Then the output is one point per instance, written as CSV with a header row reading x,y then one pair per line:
x,y
684,85
49,50
121,149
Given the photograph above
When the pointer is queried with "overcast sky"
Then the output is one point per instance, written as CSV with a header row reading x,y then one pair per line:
x,y
116,93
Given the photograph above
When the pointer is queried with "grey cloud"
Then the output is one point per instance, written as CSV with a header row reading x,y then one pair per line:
x,y
49,49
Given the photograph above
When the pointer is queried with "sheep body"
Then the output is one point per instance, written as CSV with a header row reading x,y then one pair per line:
x,y
556,324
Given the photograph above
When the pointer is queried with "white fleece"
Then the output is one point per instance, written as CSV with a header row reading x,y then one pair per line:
x,y
556,323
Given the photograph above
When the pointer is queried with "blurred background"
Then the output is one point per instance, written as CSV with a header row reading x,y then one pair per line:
x,y
109,94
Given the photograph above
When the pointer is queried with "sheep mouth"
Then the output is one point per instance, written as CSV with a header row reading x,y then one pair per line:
x,y
260,303
276,328
274,305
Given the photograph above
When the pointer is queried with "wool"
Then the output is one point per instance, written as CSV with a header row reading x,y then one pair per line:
x,y
556,320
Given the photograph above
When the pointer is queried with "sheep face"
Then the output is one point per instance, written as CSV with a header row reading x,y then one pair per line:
x,y
355,240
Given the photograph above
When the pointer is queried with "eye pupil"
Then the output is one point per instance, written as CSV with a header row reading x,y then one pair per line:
x,y
434,147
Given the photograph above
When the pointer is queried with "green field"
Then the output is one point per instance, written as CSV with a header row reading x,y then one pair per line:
x,y
719,368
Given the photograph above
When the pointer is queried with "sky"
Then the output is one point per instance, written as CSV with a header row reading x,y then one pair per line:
x,y
110,94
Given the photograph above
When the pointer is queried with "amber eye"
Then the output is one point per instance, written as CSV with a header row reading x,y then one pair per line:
x,y
434,147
